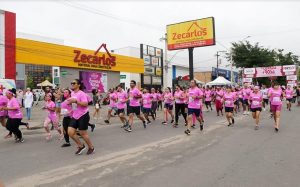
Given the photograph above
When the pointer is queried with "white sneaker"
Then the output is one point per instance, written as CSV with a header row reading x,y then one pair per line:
x,y
264,109
244,113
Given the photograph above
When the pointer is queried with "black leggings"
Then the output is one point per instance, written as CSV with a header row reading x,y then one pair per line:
x,y
12,125
154,108
66,122
179,108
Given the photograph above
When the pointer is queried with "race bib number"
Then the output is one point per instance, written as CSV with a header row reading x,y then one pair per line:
x,y
227,102
97,106
255,103
145,102
276,99
64,111
191,99
74,106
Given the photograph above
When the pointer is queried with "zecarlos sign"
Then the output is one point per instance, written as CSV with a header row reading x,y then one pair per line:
x,y
41,53
195,33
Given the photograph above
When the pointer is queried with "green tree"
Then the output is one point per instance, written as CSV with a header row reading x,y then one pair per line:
x,y
29,82
246,55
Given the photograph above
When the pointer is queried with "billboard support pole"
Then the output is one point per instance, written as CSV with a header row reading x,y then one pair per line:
x,y
191,63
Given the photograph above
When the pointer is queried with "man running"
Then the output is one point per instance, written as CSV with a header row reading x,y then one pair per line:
x,y
134,106
194,104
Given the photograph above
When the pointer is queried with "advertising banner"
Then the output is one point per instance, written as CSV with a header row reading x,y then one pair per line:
x,y
195,33
272,71
94,80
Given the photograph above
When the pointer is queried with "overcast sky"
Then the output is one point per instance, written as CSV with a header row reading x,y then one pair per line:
x,y
87,24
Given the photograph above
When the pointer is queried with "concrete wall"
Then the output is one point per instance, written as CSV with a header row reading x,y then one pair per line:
x,y
113,77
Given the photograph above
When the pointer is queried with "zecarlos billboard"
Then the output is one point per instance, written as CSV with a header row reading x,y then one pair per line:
x,y
195,33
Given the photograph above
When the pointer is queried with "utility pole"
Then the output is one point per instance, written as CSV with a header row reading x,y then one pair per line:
x,y
218,61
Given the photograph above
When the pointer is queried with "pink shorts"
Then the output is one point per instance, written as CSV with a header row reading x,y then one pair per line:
x,y
275,108
54,122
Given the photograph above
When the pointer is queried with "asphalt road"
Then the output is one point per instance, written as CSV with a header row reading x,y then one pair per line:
x,y
161,156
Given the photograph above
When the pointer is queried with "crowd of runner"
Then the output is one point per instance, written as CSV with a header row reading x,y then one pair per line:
x,y
187,102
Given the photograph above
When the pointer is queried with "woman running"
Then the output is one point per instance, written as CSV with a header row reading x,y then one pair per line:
x,y
112,104
255,102
289,97
228,99
3,113
160,99
218,100
15,115
275,96
168,107
147,102
121,105
66,111
179,96
246,93
208,98
51,118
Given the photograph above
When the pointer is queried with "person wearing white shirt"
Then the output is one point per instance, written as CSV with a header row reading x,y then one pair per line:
x,y
264,92
28,101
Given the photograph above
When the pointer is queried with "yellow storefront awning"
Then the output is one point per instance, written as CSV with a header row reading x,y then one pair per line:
x,y
42,53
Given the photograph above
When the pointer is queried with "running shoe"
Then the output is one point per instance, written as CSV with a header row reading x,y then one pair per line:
x,y
172,121
276,129
164,123
148,122
93,127
193,126
20,140
175,125
90,151
80,150
48,136
27,126
229,124
187,132
106,121
256,127
128,129
66,145
232,120
201,127
185,124
144,124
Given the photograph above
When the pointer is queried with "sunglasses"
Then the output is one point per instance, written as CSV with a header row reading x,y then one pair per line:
x,y
73,83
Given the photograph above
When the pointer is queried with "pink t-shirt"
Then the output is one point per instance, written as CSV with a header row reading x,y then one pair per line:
x,y
255,99
79,110
17,113
154,96
246,93
133,101
168,98
66,109
229,99
3,103
235,95
112,99
122,96
194,103
177,96
289,93
275,97
51,113
208,95
219,95
147,100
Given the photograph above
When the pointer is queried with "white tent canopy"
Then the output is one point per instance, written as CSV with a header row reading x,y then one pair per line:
x,y
199,82
219,81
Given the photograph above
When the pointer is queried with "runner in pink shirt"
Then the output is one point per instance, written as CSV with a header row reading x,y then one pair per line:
x,y
80,117
195,96
208,97
147,104
246,93
51,117
179,96
228,99
255,102
66,111
275,95
121,105
3,113
112,95
134,105
289,97
15,115
168,107
218,100
155,98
